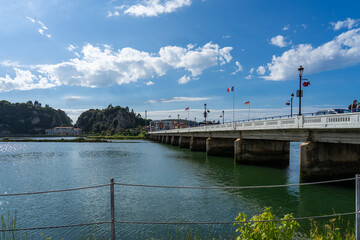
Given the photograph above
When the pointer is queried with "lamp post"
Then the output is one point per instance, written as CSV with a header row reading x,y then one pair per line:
x,y
178,120
223,115
301,70
205,113
292,97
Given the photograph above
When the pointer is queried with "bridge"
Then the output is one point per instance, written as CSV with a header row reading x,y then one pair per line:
x,y
330,145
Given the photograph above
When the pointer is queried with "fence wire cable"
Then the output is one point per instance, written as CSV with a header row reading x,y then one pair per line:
x,y
52,191
42,228
214,223
236,187
179,223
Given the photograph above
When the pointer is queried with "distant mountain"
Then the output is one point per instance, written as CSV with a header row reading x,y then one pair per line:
x,y
110,120
30,118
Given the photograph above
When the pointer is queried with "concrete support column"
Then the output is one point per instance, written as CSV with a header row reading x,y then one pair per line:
x,y
163,139
262,152
175,140
220,147
168,139
326,161
198,144
184,142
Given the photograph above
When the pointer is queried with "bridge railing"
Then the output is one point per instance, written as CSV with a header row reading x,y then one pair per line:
x,y
347,120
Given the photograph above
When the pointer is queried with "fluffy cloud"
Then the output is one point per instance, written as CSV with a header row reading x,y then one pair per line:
x,y
149,83
342,51
184,79
99,67
279,41
239,68
151,8
348,23
24,80
261,70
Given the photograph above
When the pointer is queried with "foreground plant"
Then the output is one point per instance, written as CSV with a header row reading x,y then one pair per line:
x,y
265,230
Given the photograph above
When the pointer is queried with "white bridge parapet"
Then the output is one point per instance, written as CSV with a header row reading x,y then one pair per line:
x,y
331,121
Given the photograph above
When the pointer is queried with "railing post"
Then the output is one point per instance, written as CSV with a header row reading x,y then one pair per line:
x,y
357,205
112,206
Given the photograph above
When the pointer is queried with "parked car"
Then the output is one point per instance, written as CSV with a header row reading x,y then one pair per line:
x,y
333,111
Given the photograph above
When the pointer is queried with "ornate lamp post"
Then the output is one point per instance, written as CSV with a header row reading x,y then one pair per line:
x,y
223,115
299,93
292,97
205,113
178,120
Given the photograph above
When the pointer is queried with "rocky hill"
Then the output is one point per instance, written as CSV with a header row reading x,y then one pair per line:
x,y
109,120
30,118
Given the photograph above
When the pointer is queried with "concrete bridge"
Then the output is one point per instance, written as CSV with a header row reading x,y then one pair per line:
x,y
330,145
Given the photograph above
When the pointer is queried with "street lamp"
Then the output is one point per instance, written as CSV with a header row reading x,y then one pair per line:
x,y
299,93
223,115
292,97
205,113
178,120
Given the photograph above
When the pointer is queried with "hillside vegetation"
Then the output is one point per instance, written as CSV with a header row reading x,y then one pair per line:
x,y
110,120
30,118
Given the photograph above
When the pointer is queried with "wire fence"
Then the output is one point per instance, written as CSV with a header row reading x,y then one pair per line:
x,y
112,204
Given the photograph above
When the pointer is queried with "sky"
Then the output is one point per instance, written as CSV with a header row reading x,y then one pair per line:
x,y
162,56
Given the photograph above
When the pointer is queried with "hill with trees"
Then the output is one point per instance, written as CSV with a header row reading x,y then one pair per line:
x,y
110,120
30,118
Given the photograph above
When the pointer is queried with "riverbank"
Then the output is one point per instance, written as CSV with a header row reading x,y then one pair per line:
x,y
54,140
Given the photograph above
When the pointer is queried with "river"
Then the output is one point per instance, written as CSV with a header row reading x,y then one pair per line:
x,y
38,166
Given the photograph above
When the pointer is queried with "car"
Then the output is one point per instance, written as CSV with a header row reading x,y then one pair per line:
x,y
333,111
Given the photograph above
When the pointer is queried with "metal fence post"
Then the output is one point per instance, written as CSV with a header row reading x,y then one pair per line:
x,y
112,205
357,207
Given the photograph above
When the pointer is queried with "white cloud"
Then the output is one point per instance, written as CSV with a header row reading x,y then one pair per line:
x,y
99,67
179,99
71,47
248,76
349,23
226,36
342,51
279,41
304,26
261,70
24,80
31,19
184,79
251,70
151,8
149,83
287,27
239,68
42,28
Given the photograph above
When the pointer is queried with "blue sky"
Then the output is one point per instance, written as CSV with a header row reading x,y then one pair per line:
x,y
165,55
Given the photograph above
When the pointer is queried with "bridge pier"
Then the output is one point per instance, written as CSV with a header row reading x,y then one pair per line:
x,y
220,147
262,152
198,144
184,142
163,138
168,139
327,161
175,140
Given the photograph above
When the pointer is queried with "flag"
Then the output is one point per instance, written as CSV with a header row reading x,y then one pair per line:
x,y
287,103
230,89
187,108
306,83
247,103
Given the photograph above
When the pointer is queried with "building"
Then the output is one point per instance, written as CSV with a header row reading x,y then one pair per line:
x,y
64,131
167,124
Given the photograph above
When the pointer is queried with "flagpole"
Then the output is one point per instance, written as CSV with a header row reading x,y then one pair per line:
x,y
249,112
234,105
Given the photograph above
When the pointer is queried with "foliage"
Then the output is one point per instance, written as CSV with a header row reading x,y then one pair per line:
x,y
331,230
265,230
29,118
110,120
